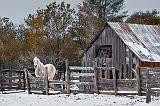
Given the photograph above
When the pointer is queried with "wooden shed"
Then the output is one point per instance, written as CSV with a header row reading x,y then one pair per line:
x,y
125,46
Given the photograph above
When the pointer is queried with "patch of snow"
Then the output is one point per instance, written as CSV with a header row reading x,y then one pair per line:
x,y
24,99
139,47
155,56
141,50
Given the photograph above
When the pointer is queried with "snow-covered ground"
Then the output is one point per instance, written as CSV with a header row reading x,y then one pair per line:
x,y
24,99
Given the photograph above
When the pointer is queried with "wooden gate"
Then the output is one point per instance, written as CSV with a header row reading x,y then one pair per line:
x,y
12,80
82,82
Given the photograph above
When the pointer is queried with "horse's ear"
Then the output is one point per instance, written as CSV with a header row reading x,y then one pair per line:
x,y
35,57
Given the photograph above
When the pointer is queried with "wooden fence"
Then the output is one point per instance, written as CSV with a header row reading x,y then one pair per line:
x,y
40,84
150,82
88,80
95,80
12,80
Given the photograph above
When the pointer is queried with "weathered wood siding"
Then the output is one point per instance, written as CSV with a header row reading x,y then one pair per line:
x,y
107,37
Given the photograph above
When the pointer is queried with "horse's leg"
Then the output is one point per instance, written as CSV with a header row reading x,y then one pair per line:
x,y
51,86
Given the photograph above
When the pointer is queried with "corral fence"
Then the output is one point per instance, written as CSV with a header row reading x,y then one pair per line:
x,y
72,78
12,80
86,80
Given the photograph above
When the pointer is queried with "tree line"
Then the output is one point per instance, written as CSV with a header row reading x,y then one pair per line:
x,y
59,32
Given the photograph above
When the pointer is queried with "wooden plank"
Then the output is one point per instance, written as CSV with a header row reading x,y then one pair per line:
x,y
138,79
81,74
83,83
57,82
12,78
67,77
46,82
130,64
27,81
105,68
80,68
10,83
4,71
96,76
13,87
148,92
114,81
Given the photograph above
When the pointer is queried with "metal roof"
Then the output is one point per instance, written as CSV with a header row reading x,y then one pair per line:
x,y
143,40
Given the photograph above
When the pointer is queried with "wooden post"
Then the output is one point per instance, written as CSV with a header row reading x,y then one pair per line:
x,y
130,64
148,90
19,80
1,82
137,70
124,71
114,80
24,85
10,81
27,81
96,76
46,82
67,77
138,82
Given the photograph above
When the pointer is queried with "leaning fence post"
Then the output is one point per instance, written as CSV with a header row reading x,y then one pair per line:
x,y
46,82
95,76
114,80
27,81
67,77
148,90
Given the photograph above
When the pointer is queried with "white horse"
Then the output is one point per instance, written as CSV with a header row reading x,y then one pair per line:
x,y
40,69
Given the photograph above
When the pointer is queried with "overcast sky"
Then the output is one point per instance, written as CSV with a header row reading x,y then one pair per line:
x,y
17,10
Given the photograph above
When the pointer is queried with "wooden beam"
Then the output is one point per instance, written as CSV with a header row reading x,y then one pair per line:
x,y
137,69
105,68
81,74
80,68
27,81
46,82
114,81
148,90
68,77
96,76
130,64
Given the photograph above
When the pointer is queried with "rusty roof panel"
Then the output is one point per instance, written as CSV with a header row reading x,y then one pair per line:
x,y
143,40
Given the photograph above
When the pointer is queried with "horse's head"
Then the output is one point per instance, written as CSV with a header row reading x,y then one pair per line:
x,y
36,62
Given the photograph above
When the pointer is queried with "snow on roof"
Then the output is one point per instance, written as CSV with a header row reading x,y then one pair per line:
x,y
143,40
